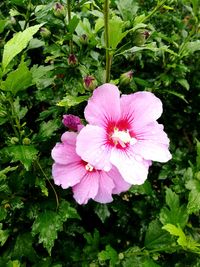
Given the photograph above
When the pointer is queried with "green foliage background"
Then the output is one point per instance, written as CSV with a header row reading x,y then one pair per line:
x,y
155,224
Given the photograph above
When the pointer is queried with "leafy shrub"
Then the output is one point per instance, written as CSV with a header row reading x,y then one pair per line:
x,y
47,52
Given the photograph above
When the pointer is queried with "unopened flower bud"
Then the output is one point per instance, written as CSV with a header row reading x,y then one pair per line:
x,y
126,78
84,39
146,34
140,37
14,140
26,141
59,10
72,60
121,256
72,122
45,33
89,82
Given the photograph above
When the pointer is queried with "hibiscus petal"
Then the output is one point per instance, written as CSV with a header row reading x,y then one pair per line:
x,y
120,184
140,109
68,175
104,105
65,153
152,150
87,188
106,187
91,147
132,170
69,137
154,132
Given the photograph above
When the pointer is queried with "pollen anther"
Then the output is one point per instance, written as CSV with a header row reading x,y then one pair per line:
x,y
89,167
122,137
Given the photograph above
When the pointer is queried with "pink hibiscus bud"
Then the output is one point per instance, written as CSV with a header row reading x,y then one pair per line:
x,y
126,78
123,131
72,122
89,82
87,182
59,11
146,34
72,60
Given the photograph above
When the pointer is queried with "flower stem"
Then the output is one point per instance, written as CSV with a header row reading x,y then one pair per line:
x,y
106,25
69,18
46,177
159,5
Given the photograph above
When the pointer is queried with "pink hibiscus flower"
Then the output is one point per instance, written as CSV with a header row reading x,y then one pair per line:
x,y
123,132
69,170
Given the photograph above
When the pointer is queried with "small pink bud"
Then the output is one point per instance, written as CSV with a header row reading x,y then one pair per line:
x,y
72,60
72,122
89,82
126,77
59,10
146,34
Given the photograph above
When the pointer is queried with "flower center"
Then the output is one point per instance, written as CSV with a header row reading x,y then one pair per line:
x,y
89,167
122,138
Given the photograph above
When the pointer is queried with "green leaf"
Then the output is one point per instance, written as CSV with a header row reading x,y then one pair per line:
x,y
42,76
157,238
127,9
23,247
19,110
102,211
99,24
136,256
16,203
3,213
198,155
35,43
25,154
186,242
193,202
175,214
194,196
5,171
108,254
192,47
67,212
73,24
18,2
47,129
2,24
176,231
17,80
48,223
134,260
115,32
18,42
150,263
15,263
144,189
70,101
181,96
184,83
142,82
42,185
4,234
